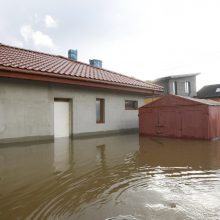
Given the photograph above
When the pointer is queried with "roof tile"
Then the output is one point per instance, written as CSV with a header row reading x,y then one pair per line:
x,y
46,63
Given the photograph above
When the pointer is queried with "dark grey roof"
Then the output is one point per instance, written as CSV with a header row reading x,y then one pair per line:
x,y
176,76
209,91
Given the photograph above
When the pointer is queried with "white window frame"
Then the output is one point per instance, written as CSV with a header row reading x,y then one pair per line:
x,y
187,87
174,87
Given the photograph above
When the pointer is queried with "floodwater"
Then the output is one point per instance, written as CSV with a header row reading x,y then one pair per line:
x,y
115,177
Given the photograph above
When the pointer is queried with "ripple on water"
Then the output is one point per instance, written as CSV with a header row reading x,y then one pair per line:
x,y
121,217
121,183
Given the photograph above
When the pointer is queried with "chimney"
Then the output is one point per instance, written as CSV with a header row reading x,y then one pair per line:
x,y
96,63
72,54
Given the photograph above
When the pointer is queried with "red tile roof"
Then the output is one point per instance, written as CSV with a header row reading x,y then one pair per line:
x,y
27,61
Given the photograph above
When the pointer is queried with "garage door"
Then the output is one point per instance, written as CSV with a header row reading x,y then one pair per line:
x,y
169,124
61,118
148,122
194,124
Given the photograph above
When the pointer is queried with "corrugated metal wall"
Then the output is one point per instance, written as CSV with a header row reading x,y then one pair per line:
x,y
185,119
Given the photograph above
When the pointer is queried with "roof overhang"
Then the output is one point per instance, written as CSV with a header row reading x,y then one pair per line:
x,y
176,76
8,72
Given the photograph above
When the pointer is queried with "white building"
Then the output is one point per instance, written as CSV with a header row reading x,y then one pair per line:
x,y
43,96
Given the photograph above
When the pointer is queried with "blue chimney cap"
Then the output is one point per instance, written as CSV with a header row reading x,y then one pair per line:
x,y
96,63
72,54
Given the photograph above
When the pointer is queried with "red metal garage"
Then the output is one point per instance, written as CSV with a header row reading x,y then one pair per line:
x,y
183,117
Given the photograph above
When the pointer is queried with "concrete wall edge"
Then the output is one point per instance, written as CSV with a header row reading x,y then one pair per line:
x,y
104,133
6,141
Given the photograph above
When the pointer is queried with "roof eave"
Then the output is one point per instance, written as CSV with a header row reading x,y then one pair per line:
x,y
63,79
176,76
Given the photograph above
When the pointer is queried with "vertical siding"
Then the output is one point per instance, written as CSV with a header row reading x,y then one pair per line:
x,y
194,122
148,117
214,122
173,116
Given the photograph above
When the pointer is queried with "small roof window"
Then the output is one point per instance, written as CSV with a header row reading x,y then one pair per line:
x,y
218,90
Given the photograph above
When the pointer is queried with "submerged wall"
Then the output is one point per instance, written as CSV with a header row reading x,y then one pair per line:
x,y
26,110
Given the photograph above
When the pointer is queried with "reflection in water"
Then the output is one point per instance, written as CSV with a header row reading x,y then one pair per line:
x,y
62,152
101,155
117,177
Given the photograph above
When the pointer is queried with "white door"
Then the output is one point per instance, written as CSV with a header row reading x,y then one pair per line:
x,y
61,119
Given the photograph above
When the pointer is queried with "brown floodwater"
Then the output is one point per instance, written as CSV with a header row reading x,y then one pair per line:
x,y
115,177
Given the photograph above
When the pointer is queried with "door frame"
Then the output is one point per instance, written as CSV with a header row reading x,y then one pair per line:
x,y
70,101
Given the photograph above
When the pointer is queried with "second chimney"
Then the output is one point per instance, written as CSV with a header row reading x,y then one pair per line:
x,y
96,63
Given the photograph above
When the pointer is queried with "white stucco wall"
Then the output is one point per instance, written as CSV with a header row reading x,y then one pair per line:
x,y
84,109
26,109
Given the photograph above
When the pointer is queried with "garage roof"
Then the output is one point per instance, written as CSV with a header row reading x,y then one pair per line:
x,y
203,101
176,100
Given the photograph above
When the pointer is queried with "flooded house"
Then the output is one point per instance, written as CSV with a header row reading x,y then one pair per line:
x,y
43,96
180,117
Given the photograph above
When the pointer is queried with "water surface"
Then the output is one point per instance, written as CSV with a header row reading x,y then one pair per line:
x,y
116,177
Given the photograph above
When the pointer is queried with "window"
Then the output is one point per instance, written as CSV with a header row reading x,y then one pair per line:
x,y
100,111
187,87
174,88
131,105
218,90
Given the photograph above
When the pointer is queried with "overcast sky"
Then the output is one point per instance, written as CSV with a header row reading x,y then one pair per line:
x,y
146,39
